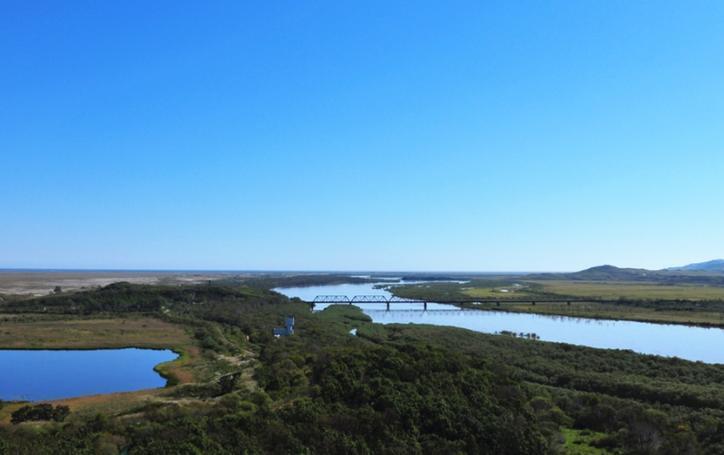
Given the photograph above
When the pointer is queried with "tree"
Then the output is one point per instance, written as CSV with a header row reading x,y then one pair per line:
x,y
43,411
227,382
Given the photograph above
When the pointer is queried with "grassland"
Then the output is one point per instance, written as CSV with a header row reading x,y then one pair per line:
x,y
638,301
90,333
592,289
500,292
579,442
631,290
617,312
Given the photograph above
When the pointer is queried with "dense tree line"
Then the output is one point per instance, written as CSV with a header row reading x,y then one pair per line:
x,y
133,298
677,403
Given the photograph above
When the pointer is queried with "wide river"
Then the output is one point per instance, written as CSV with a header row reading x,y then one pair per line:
x,y
686,342
51,374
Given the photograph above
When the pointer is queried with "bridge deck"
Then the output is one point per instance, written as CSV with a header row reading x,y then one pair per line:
x,y
360,299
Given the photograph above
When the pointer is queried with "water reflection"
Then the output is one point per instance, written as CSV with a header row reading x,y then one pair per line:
x,y
47,374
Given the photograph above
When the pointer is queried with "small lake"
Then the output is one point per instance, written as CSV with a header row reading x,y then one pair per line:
x,y
35,375
671,340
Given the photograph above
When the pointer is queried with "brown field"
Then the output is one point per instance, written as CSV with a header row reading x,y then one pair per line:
x,y
19,282
633,290
710,315
142,332
500,292
620,312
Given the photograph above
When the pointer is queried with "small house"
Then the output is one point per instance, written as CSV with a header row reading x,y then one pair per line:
x,y
287,330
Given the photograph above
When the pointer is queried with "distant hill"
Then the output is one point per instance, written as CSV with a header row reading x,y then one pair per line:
x,y
710,276
600,273
717,265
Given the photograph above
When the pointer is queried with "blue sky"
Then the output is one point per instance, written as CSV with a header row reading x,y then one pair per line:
x,y
361,135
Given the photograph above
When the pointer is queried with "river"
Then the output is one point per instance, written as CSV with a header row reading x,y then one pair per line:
x,y
671,340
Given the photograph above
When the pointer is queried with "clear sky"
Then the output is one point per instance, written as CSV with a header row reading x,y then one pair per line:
x,y
361,135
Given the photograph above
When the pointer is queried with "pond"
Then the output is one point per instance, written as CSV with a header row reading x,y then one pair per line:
x,y
35,375
671,340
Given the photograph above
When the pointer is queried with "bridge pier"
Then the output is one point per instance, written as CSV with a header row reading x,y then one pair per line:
x,y
425,306
388,306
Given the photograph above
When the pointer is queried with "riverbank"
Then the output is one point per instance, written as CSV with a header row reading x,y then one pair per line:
x,y
611,312
687,310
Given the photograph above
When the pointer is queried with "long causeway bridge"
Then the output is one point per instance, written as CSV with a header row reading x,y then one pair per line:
x,y
388,301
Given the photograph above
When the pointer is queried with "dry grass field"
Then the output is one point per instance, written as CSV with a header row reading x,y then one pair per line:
x,y
620,312
599,289
497,292
21,282
706,312
632,290
53,333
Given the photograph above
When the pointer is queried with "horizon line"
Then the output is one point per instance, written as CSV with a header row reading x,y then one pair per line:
x,y
190,270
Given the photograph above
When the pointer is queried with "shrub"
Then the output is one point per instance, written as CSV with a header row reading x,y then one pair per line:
x,y
43,411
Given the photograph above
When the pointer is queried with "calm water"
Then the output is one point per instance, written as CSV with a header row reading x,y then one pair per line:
x,y
44,375
692,343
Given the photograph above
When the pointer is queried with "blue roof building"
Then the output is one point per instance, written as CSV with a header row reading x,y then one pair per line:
x,y
287,330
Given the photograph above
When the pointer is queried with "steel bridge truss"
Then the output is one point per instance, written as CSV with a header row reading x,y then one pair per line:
x,y
360,299
374,298
379,298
